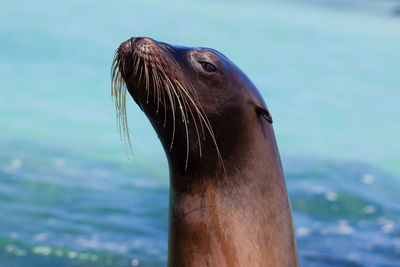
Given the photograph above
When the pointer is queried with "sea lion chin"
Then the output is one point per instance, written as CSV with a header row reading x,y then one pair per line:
x,y
228,199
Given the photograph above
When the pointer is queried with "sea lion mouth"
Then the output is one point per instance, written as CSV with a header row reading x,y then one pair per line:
x,y
148,70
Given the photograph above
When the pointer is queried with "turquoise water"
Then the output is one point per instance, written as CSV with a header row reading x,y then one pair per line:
x,y
328,70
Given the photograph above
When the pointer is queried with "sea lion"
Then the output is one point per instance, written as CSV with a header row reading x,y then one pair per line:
x,y
228,198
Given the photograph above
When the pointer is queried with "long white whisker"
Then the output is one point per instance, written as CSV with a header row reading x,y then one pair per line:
x,y
206,122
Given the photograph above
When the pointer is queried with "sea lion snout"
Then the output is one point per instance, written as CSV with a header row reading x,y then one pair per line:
x,y
140,45
141,41
136,44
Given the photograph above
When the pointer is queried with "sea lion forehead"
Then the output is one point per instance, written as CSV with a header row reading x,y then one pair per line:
x,y
208,53
208,50
196,52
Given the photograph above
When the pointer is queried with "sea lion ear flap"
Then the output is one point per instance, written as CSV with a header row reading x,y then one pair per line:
x,y
263,111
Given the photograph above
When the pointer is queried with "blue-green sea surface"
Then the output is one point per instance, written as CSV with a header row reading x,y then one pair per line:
x,y
329,72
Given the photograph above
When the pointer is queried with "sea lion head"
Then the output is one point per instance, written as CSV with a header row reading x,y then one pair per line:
x,y
198,101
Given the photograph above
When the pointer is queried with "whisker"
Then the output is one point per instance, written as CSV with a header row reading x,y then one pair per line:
x,y
184,120
146,71
137,66
204,117
118,92
140,75
172,104
195,124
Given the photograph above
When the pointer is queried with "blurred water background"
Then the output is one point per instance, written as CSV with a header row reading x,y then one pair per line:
x,y
328,70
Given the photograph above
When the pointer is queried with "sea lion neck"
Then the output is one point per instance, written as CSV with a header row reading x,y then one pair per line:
x,y
235,219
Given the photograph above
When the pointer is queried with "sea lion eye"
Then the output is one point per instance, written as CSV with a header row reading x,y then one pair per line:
x,y
208,66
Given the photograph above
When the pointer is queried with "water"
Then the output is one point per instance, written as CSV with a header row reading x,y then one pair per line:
x,y
329,72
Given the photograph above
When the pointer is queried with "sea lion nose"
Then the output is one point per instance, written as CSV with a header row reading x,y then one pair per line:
x,y
136,42
141,41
